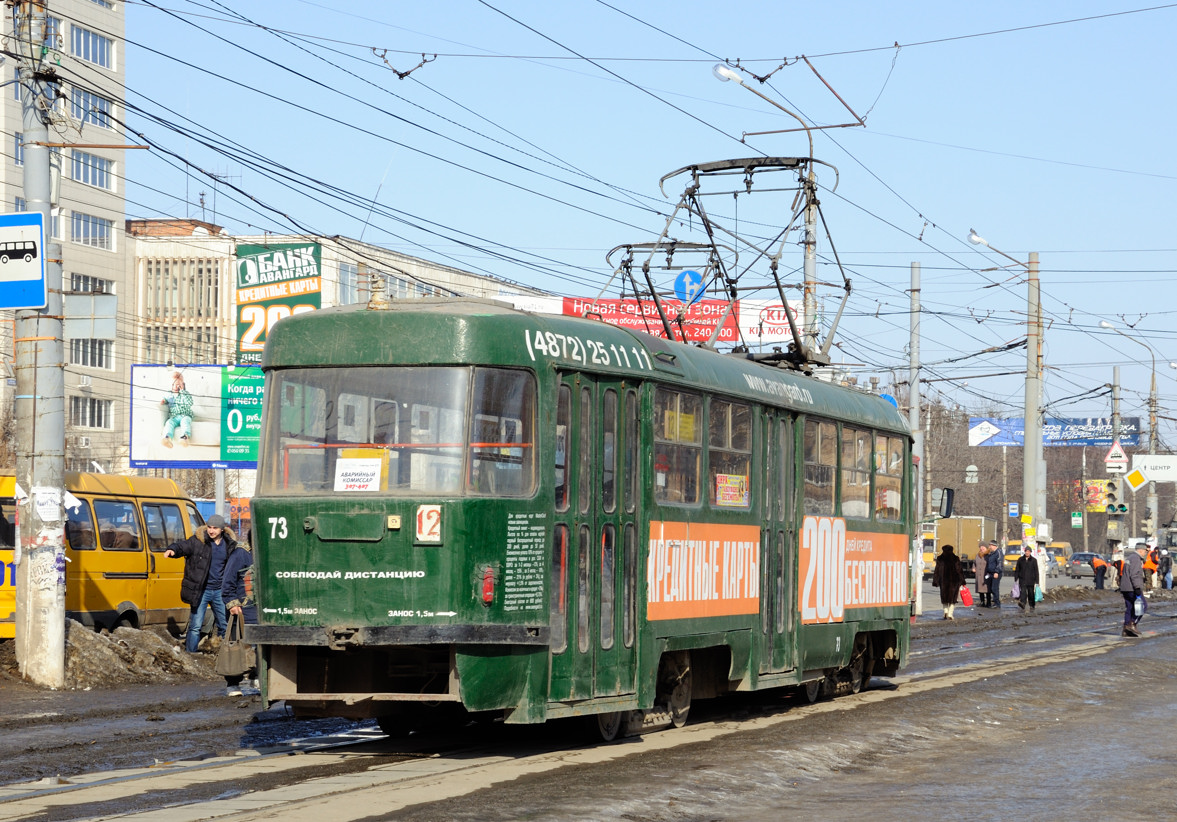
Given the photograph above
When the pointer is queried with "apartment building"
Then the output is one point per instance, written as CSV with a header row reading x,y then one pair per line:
x,y
85,40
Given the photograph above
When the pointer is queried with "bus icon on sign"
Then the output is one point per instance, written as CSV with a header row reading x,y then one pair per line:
x,y
19,250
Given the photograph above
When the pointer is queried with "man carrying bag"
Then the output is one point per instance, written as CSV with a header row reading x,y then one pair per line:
x,y
238,659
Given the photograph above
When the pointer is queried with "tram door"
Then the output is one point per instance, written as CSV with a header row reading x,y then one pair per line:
x,y
594,551
778,536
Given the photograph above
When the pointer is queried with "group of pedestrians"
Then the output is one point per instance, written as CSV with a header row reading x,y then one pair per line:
x,y
987,569
949,576
216,570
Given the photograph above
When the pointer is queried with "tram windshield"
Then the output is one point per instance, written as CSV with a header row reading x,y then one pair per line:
x,y
400,430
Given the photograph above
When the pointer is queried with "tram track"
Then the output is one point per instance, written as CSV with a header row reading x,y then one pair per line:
x,y
305,779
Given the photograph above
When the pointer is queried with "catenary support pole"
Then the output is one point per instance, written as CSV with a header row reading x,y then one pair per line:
x,y
40,387
1032,444
913,421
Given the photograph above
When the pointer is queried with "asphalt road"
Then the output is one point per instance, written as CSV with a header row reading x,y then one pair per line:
x,y
1019,699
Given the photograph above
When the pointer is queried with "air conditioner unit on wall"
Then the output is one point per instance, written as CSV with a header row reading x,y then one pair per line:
x,y
83,442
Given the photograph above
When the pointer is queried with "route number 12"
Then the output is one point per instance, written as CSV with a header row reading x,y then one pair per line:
x,y
428,523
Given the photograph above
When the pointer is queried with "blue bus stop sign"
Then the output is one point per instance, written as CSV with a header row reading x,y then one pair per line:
x,y
22,260
688,286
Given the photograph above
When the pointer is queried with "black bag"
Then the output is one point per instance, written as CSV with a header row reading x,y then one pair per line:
x,y
236,656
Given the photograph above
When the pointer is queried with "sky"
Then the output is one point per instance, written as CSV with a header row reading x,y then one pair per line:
x,y
527,139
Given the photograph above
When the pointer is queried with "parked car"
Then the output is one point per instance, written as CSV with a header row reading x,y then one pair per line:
x,y
1055,562
1079,565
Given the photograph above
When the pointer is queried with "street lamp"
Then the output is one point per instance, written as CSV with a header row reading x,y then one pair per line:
x,y
1033,461
1152,420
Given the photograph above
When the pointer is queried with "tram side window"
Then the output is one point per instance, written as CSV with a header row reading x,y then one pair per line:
x,y
609,451
559,601
502,449
563,426
856,460
729,454
821,466
631,450
118,525
678,421
889,463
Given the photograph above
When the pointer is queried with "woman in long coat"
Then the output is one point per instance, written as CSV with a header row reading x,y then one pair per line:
x,y
948,577
979,575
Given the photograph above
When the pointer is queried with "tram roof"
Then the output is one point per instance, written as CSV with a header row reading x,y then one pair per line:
x,y
476,331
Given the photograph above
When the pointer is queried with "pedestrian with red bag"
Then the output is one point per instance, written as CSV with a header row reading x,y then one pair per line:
x,y
948,577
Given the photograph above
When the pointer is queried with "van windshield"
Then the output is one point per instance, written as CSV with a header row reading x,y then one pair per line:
x,y
399,430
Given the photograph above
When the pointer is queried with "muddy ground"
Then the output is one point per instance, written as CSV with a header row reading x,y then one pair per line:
x,y
135,697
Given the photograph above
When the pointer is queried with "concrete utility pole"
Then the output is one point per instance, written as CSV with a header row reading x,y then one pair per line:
x,y
40,386
1033,463
917,445
1032,452
913,382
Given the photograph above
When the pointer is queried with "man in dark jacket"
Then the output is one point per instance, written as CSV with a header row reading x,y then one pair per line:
x,y
205,553
237,592
1026,573
993,575
1132,589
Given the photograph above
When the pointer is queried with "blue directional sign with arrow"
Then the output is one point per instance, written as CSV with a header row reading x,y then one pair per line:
x,y
22,260
688,286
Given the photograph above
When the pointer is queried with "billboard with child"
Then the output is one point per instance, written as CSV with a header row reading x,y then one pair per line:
x,y
195,416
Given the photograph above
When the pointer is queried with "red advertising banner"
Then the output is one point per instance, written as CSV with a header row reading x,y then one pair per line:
x,y
698,320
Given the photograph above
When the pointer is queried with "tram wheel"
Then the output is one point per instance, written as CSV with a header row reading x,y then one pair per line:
x,y
854,671
674,686
608,725
813,690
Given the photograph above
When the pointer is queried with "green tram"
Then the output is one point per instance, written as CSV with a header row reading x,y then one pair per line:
x,y
464,509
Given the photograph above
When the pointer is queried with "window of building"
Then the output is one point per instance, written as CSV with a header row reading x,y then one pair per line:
x,y
18,149
92,231
90,108
21,204
106,4
88,412
678,446
889,462
821,466
349,276
89,284
92,353
856,460
92,170
729,454
92,47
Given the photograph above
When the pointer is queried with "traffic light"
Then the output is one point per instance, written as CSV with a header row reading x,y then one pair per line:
x,y
1117,504
1149,524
